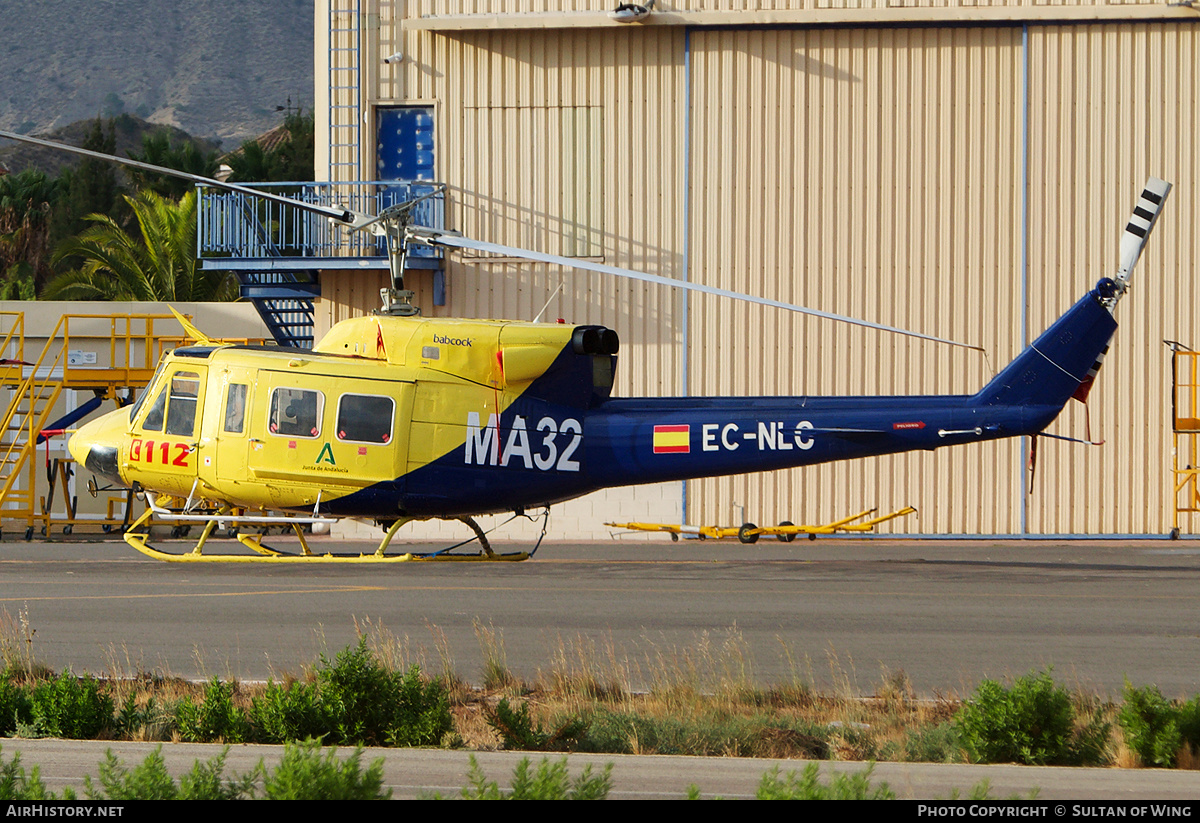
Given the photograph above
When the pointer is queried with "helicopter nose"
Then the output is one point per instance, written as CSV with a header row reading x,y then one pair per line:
x,y
95,445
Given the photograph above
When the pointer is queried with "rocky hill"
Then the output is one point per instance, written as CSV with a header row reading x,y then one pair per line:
x,y
214,68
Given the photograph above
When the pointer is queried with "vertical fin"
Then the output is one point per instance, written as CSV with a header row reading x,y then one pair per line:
x,y
1081,393
1063,362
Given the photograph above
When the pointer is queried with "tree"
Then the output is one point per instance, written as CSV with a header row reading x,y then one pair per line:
x,y
186,157
159,264
89,188
25,201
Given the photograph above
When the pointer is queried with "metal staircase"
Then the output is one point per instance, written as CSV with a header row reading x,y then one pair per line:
x,y
284,300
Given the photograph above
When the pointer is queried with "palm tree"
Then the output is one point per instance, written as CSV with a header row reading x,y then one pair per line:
x,y
25,200
160,264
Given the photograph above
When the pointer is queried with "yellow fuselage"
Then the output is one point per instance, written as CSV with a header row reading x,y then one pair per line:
x,y
377,399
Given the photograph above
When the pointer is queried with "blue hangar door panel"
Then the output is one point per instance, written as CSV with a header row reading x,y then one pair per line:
x,y
404,152
405,147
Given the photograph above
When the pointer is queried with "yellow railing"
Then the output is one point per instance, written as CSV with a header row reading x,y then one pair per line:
x,y
1185,407
133,349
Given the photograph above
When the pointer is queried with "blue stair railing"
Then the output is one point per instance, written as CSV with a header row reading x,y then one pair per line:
x,y
277,249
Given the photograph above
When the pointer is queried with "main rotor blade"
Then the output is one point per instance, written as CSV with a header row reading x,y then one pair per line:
x,y
337,214
434,237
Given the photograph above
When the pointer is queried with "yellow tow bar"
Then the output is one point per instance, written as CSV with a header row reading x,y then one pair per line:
x,y
785,531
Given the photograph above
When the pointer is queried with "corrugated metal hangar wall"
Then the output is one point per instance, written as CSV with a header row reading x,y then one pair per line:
x,y
914,166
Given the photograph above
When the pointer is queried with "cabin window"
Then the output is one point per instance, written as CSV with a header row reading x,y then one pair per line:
x,y
296,412
365,418
235,408
137,406
181,404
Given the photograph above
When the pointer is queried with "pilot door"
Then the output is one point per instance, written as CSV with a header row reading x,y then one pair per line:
x,y
224,444
162,451
323,434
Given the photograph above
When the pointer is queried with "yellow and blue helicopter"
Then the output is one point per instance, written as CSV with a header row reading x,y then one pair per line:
x,y
395,417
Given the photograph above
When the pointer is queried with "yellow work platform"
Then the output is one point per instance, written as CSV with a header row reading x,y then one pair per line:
x,y
110,356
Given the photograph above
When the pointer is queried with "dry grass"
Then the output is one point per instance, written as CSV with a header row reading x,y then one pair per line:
x,y
16,645
396,652
496,674
582,671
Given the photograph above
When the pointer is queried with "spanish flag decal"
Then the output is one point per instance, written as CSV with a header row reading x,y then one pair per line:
x,y
672,439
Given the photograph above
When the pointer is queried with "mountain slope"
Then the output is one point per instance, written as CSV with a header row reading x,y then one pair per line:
x,y
215,68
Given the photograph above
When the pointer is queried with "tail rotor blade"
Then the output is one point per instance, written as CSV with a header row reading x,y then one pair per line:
x,y
1141,223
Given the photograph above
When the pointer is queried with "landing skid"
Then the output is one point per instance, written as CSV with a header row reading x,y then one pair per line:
x,y
139,533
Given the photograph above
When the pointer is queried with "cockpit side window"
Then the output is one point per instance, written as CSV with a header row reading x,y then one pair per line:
x,y
154,417
296,412
137,406
175,405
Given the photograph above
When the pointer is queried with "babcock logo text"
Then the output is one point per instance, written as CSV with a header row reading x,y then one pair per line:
x,y
452,341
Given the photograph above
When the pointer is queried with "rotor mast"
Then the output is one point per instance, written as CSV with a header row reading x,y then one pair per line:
x,y
395,225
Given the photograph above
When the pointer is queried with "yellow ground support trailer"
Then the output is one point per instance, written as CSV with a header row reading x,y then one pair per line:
x,y
785,531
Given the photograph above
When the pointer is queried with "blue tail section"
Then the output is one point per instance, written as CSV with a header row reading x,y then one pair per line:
x,y
1049,371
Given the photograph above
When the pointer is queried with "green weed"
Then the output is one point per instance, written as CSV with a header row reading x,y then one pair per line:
x,y
368,705
217,718
15,708
807,786
1033,722
305,775
519,732
293,713
940,743
1158,729
70,707
550,781
16,785
713,734
421,712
